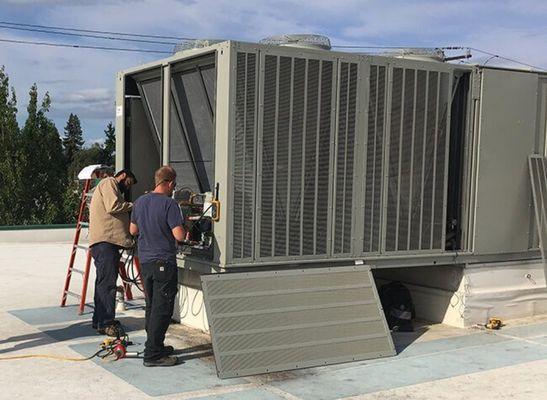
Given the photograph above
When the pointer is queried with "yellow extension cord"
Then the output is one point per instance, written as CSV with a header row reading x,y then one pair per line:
x,y
53,357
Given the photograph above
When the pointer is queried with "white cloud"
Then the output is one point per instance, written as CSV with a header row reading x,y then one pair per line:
x,y
82,81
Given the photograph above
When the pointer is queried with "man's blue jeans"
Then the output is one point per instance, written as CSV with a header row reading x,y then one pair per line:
x,y
107,257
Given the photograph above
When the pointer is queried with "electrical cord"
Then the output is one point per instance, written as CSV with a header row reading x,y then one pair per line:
x,y
133,278
53,357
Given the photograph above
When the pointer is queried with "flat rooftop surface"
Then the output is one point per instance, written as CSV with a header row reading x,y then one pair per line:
x,y
435,362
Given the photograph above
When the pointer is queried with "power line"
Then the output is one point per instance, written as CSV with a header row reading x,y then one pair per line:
x,y
494,55
98,34
81,46
97,31
87,35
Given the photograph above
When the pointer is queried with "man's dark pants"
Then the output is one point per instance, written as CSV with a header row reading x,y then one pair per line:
x,y
107,258
160,284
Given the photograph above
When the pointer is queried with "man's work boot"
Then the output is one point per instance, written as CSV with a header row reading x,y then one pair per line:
x,y
167,350
114,330
165,361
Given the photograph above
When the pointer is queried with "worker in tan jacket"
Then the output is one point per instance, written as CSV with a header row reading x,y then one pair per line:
x,y
108,235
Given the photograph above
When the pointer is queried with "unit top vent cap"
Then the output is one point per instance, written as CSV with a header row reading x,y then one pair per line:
x,y
195,44
309,41
417,53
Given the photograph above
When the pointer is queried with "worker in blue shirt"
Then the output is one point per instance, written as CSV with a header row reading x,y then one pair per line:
x,y
158,222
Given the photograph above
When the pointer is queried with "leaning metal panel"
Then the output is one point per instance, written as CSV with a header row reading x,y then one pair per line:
x,y
417,165
538,177
280,320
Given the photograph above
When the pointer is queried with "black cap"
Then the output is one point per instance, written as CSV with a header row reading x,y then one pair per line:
x,y
128,173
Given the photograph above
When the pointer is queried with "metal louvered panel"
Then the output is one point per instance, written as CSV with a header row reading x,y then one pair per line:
x,y
323,154
296,202
345,144
279,320
281,150
310,154
269,127
374,159
441,167
417,165
244,162
538,179
295,156
397,97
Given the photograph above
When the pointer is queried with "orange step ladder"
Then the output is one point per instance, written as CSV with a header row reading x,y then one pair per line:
x,y
83,222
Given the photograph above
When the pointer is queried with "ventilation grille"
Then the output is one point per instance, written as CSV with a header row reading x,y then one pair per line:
x,y
295,150
374,159
244,163
280,320
345,158
417,160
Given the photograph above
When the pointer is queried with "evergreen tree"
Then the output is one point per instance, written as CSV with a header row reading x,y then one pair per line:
x,y
45,177
109,149
11,157
73,139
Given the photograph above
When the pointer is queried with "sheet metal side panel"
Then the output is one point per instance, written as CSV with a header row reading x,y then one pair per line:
x,y
507,137
346,324
224,131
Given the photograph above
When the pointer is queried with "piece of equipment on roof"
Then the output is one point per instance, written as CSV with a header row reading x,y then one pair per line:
x,y
327,159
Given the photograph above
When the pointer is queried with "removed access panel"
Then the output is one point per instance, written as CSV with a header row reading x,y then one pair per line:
x,y
280,320
538,177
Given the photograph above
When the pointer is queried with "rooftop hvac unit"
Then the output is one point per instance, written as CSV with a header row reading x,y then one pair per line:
x,y
319,155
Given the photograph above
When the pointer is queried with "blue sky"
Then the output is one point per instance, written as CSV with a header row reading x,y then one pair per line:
x,y
82,81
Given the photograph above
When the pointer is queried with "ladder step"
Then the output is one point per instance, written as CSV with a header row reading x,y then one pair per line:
x,y
81,246
78,271
73,294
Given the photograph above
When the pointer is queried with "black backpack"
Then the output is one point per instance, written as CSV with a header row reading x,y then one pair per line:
x,y
398,306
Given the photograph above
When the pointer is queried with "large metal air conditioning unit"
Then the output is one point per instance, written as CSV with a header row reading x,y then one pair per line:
x,y
329,159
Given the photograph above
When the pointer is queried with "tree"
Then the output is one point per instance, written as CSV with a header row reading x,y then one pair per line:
x,y
44,176
11,157
73,140
109,149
